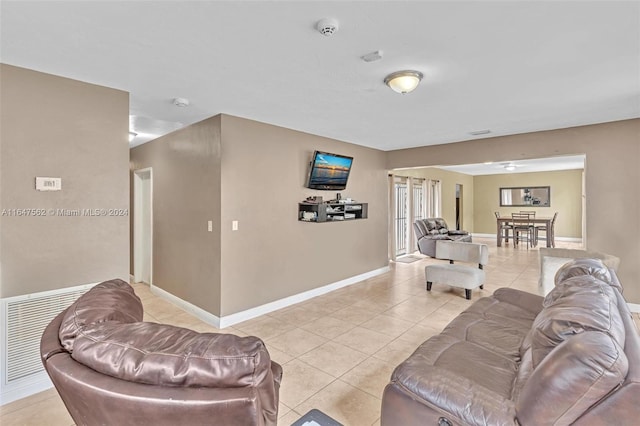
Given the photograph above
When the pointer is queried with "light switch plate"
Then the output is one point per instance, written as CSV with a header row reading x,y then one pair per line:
x,y
234,225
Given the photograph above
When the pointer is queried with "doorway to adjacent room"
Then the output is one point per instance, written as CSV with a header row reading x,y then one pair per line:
x,y
143,225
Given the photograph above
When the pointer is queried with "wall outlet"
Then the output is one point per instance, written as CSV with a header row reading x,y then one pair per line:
x,y
210,226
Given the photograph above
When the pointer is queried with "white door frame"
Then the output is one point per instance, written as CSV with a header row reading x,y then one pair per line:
x,y
138,235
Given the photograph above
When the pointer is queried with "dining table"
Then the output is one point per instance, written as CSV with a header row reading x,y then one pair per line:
x,y
504,220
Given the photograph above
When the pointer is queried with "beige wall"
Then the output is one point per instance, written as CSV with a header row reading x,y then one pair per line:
x,y
228,168
566,199
57,127
612,178
449,180
186,195
272,255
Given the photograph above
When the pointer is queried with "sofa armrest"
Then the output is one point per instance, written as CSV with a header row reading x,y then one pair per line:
x,y
427,244
528,301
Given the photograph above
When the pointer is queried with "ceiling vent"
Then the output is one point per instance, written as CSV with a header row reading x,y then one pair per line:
x,y
327,27
480,132
372,57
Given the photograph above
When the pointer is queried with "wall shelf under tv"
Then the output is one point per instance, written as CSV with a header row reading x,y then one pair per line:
x,y
331,212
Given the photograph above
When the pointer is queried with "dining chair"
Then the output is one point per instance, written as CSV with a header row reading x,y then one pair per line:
x,y
549,233
531,213
505,228
523,229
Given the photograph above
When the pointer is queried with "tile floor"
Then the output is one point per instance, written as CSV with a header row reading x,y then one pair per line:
x,y
337,350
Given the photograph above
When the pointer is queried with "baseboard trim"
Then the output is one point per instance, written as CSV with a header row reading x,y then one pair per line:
x,y
238,317
28,386
634,307
567,239
194,310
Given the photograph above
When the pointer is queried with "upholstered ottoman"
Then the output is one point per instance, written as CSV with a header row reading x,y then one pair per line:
x,y
461,276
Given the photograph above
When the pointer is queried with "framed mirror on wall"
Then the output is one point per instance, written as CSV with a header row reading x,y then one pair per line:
x,y
525,196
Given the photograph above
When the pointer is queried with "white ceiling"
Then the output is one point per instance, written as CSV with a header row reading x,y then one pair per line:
x,y
510,67
565,162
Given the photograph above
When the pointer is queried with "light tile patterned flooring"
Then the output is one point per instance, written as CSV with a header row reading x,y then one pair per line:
x,y
337,350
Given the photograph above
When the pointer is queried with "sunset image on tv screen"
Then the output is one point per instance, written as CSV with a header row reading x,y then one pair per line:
x,y
330,170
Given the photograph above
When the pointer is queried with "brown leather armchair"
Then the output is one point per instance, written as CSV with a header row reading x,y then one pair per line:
x,y
111,368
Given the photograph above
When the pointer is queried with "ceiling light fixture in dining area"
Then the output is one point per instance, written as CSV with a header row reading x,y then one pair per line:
x,y
403,81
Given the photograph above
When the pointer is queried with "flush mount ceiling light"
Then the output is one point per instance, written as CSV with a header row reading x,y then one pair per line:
x,y
132,136
403,81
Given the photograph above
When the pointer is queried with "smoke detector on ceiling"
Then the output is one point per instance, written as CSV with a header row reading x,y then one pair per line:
x,y
327,26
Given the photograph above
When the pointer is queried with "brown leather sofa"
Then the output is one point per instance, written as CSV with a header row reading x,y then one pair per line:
x,y
517,359
429,231
110,368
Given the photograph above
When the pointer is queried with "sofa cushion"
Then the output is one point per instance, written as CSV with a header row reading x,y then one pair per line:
x,y
495,336
573,377
161,354
575,305
579,267
112,300
430,223
449,374
509,306
440,223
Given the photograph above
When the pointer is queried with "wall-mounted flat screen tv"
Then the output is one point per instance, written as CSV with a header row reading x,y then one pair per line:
x,y
329,171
